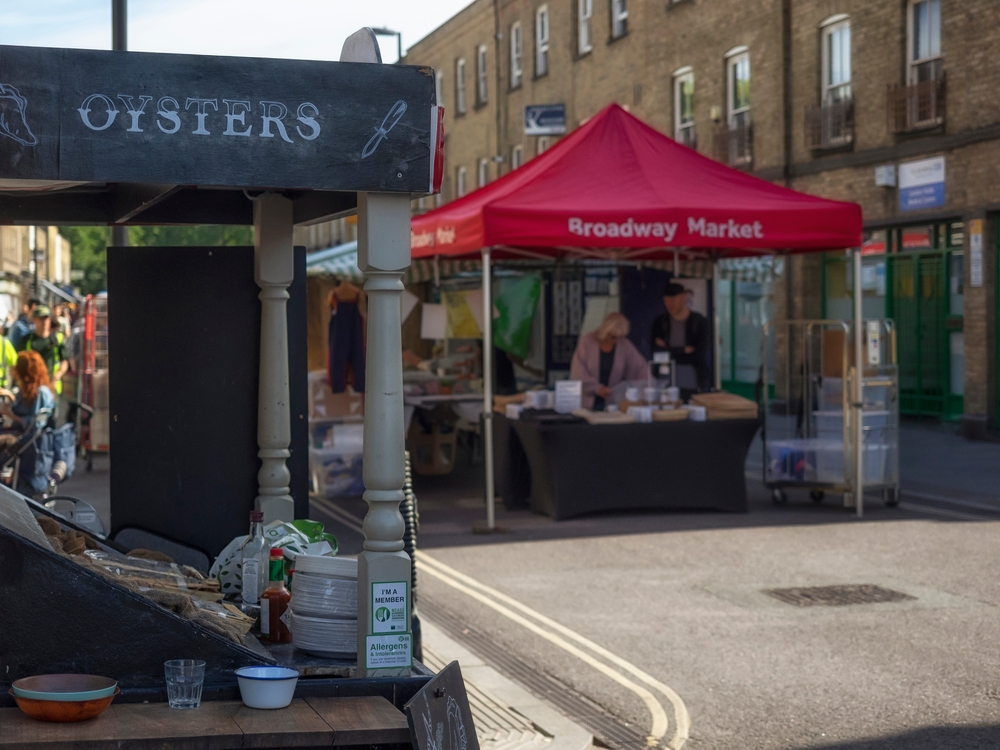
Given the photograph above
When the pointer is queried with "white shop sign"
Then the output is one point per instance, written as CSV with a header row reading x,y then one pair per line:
x,y
976,252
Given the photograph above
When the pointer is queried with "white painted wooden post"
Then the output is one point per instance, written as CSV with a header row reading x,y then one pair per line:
x,y
274,270
383,256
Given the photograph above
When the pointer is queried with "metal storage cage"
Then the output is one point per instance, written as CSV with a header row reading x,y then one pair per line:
x,y
809,432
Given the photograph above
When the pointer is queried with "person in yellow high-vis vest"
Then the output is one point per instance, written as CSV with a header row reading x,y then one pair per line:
x,y
51,345
8,358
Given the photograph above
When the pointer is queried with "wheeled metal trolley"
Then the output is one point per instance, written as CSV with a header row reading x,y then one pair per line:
x,y
810,430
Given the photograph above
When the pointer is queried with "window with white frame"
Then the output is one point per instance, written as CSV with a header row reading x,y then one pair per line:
x,y
516,157
460,85
542,145
584,15
684,106
482,77
542,40
619,18
924,41
516,50
738,88
460,182
836,61
484,173
439,87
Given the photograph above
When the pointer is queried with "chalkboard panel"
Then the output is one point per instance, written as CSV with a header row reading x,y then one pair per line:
x,y
184,343
439,715
110,116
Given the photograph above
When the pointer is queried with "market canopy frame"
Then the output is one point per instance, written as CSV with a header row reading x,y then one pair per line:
x,y
617,189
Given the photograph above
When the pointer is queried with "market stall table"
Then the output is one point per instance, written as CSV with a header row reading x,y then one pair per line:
x,y
220,725
577,468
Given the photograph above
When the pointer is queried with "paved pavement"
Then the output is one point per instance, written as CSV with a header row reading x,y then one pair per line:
x,y
677,600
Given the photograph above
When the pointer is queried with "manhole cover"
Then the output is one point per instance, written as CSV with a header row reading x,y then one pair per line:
x,y
838,596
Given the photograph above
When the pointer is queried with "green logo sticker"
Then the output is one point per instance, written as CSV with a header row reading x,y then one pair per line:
x,y
382,614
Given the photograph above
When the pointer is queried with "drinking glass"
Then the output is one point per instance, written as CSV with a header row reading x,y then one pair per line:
x,y
185,678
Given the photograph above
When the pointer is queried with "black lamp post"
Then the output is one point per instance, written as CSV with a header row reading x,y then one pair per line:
x,y
119,41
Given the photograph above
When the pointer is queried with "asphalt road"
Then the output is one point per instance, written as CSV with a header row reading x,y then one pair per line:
x,y
679,598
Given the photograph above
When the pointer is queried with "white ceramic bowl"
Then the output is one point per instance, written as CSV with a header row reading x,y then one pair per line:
x,y
267,687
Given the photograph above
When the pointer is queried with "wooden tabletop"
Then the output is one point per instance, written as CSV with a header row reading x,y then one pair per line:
x,y
222,725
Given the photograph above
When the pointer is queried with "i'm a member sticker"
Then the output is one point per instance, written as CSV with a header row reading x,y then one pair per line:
x,y
389,607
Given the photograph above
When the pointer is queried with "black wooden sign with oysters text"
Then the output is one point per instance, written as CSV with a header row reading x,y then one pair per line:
x,y
102,116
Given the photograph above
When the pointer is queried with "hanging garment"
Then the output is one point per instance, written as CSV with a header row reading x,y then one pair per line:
x,y
347,349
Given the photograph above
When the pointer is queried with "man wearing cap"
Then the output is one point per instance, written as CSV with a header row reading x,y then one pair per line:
x,y
22,326
684,333
51,345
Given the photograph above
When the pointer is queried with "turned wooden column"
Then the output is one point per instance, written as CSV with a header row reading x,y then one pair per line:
x,y
274,270
383,256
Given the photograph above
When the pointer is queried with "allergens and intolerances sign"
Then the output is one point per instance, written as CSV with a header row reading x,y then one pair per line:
x,y
389,651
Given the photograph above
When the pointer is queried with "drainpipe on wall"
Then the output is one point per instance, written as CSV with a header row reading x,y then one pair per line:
x,y
500,100
786,73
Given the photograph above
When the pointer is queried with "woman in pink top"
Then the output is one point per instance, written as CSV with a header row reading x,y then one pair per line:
x,y
605,358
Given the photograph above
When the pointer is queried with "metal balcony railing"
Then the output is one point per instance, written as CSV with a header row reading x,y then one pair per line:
x,y
830,125
686,136
918,106
734,146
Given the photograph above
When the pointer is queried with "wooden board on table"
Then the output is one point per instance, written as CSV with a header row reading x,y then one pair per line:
x,y
296,726
723,405
603,417
362,721
145,726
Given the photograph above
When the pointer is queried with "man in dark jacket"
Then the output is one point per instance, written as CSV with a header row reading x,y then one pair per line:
x,y
685,334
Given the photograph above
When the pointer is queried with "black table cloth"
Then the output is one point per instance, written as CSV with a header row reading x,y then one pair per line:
x,y
577,468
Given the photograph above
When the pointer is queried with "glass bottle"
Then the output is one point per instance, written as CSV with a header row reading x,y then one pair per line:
x,y
254,564
274,602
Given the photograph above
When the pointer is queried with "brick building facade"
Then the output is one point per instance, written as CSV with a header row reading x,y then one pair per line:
x,y
873,101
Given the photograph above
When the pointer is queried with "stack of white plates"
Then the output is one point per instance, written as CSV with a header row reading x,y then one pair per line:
x,y
325,605
319,596
320,636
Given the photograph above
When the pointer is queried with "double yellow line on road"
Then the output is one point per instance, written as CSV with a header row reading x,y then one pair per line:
x,y
558,635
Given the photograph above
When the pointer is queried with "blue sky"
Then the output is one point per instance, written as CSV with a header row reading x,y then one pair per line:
x,y
303,29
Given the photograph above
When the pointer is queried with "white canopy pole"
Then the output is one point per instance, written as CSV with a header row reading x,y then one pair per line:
x,y
858,396
488,389
716,327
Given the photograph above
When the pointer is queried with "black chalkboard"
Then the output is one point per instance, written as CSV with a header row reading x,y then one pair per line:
x,y
137,117
183,335
439,714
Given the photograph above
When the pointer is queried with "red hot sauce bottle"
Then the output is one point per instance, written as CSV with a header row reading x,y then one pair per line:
x,y
274,601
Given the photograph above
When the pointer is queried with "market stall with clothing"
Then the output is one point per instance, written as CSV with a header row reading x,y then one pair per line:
x,y
619,192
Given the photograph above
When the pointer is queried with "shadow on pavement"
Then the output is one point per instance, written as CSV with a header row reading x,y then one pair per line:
x,y
451,505
931,738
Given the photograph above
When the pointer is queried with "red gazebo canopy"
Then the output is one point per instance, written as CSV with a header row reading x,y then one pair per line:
x,y
618,187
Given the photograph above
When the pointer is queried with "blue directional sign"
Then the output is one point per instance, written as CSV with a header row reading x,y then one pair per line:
x,y
545,119
921,184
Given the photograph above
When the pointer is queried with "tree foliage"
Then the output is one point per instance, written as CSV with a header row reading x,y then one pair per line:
x,y
90,245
